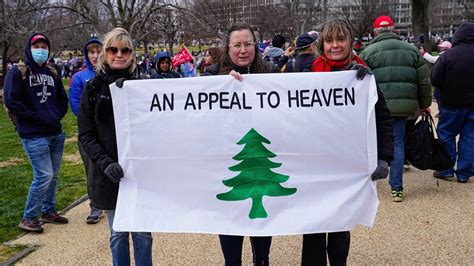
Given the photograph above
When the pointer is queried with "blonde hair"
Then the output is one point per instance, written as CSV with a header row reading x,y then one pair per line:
x,y
123,37
337,27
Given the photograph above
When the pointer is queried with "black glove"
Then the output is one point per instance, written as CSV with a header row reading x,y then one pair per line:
x,y
119,82
381,171
361,70
114,172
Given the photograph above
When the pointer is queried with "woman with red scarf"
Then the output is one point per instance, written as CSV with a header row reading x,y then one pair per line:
x,y
336,55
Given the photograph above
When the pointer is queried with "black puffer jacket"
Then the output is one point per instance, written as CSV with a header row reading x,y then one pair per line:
x,y
97,135
453,72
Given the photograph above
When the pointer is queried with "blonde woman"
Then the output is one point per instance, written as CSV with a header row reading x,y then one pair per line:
x,y
97,134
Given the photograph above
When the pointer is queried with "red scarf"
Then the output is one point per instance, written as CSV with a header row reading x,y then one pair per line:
x,y
323,64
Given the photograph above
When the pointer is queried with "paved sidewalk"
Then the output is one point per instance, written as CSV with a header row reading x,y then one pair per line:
x,y
434,225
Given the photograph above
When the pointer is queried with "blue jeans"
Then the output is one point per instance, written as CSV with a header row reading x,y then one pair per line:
x,y
45,156
453,122
396,168
120,246
437,96
232,249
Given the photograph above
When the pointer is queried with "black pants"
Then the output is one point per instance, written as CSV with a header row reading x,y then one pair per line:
x,y
232,249
410,125
89,167
315,248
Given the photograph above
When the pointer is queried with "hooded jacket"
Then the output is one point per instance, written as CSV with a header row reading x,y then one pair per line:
x,y
80,79
400,72
157,73
453,71
273,55
39,101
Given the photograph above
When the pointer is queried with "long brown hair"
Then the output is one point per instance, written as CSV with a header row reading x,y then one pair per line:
x,y
225,63
215,53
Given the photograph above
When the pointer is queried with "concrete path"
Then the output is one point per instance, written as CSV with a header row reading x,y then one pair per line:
x,y
434,225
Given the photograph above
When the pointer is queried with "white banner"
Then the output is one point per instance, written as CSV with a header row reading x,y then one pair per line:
x,y
271,155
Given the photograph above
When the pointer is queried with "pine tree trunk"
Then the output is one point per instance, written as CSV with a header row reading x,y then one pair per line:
x,y
257,211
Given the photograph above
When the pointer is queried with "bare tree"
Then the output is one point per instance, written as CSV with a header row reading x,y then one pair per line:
x,y
209,18
169,22
468,9
17,20
361,14
302,14
289,17
132,15
271,20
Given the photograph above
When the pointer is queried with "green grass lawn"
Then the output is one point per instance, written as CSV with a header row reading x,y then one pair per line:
x,y
16,174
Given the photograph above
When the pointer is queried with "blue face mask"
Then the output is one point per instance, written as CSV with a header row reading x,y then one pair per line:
x,y
40,55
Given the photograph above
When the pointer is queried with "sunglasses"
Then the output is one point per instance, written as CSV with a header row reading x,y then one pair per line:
x,y
114,50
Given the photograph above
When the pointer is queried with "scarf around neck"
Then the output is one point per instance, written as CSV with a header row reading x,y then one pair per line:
x,y
323,64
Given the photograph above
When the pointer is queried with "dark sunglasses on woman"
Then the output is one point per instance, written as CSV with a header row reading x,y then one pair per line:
x,y
114,50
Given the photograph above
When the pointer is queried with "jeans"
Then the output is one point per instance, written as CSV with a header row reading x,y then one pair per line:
x,y
232,249
315,248
120,246
396,168
453,122
45,156
437,96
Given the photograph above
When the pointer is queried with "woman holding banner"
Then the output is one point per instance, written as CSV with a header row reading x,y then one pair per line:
x,y
117,62
241,56
336,54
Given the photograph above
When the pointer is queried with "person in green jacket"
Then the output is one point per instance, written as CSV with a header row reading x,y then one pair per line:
x,y
403,77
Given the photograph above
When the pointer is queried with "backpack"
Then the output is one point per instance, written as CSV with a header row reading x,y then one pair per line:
x,y
25,72
423,150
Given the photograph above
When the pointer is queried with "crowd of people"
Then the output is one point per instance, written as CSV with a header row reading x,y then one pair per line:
x,y
35,95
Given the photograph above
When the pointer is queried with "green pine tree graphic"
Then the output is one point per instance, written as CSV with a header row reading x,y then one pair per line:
x,y
256,179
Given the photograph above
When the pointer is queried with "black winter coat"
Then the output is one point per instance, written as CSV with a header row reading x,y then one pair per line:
x,y
383,122
97,135
453,72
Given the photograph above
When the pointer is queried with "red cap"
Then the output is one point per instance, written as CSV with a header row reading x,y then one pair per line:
x,y
357,45
37,38
383,21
